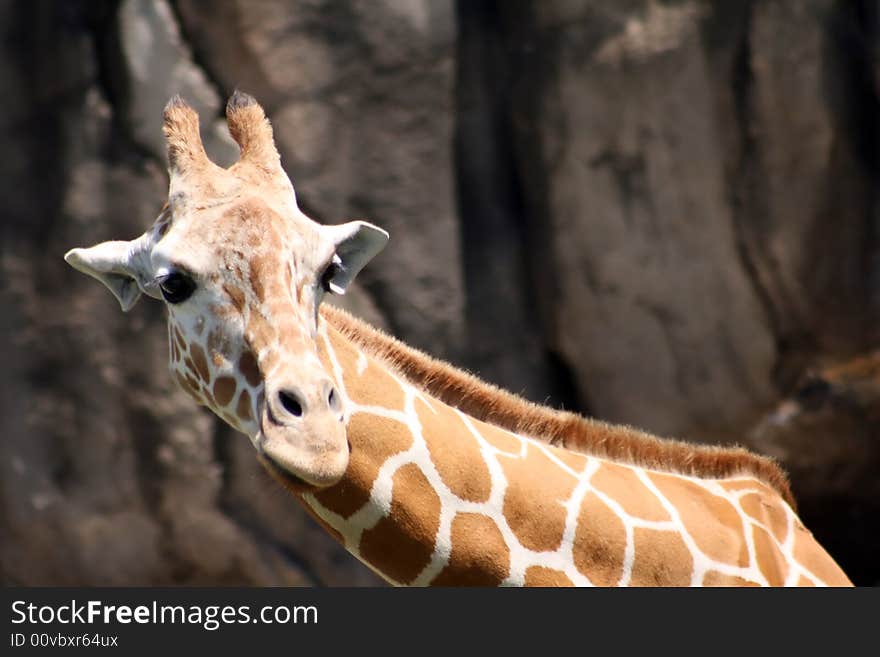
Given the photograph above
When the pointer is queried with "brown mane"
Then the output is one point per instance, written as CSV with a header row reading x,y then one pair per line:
x,y
496,406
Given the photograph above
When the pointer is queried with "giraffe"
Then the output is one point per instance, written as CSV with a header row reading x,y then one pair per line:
x,y
426,474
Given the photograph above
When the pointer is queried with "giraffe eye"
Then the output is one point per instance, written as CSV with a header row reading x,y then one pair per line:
x,y
176,287
333,269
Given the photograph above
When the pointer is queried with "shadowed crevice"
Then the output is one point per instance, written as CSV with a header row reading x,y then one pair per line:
x,y
749,204
505,340
852,83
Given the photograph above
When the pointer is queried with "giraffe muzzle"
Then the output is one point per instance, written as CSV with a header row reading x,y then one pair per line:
x,y
304,434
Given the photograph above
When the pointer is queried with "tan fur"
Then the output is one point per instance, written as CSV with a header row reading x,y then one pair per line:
x,y
401,543
479,557
181,128
493,405
599,542
252,131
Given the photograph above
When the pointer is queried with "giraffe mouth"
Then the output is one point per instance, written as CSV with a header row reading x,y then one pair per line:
x,y
311,455
282,476
276,469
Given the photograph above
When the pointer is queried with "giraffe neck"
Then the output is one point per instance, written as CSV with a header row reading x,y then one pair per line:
x,y
435,496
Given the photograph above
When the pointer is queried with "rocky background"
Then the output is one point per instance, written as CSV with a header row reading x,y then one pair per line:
x,y
658,213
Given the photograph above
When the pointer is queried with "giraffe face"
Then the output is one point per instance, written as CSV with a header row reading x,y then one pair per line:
x,y
242,272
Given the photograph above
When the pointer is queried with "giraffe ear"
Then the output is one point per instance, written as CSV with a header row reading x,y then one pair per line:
x,y
357,242
115,264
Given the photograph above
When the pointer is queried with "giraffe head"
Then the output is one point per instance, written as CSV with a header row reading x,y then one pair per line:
x,y
242,272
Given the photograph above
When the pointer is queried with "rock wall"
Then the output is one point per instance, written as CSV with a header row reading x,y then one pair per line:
x,y
658,213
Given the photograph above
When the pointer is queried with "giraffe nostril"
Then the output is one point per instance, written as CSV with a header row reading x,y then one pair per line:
x,y
290,403
333,400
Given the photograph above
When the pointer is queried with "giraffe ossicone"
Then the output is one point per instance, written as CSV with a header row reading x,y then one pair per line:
x,y
425,473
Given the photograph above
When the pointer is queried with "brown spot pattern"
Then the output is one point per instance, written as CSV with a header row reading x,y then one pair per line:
x,y
575,461
366,457
541,576
489,403
479,555
661,559
500,439
623,485
768,512
533,502
770,560
600,541
243,409
190,385
715,578
178,337
454,452
185,384
193,383
208,397
815,559
374,388
401,544
734,485
235,295
712,521
224,390
255,275
201,363
247,365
